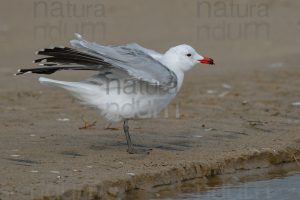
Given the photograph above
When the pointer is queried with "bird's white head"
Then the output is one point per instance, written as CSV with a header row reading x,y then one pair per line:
x,y
184,57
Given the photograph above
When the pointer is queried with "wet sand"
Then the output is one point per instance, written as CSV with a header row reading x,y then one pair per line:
x,y
236,115
277,183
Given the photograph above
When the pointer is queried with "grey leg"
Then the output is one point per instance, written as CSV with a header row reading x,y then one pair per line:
x,y
130,150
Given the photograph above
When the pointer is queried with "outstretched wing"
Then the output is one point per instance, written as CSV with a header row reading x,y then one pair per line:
x,y
138,61
150,52
132,59
64,58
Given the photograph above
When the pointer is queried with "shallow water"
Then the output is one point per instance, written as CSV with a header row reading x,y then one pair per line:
x,y
283,188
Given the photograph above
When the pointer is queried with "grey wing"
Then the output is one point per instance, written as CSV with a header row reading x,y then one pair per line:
x,y
131,61
134,59
150,52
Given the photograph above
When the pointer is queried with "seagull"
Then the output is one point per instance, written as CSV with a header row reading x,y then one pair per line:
x,y
132,82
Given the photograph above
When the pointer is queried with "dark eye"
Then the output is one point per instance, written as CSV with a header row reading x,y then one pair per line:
x,y
188,55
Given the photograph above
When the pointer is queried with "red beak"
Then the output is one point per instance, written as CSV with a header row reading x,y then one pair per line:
x,y
207,60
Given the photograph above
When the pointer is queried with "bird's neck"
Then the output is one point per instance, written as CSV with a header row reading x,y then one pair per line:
x,y
170,64
180,77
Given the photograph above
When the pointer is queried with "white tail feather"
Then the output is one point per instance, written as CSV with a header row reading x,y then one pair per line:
x,y
72,86
86,93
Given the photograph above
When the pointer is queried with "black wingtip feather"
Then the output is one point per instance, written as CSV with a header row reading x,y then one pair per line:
x,y
66,55
37,71
64,58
